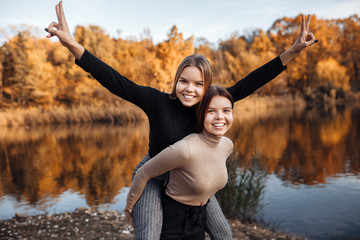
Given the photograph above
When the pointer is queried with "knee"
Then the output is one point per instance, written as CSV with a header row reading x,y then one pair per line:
x,y
219,231
226,233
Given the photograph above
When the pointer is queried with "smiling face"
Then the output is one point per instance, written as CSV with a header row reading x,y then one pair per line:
x,y
219,116
190,86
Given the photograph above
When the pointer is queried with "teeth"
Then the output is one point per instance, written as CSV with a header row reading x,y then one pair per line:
x,y
219,124
189,97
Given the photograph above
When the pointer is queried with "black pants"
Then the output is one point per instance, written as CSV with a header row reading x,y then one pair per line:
x,y
181,221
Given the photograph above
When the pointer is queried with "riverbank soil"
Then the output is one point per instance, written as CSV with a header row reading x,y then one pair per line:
x,y
86,223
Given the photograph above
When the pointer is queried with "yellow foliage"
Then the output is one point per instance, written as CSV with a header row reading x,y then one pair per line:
x,y
330,73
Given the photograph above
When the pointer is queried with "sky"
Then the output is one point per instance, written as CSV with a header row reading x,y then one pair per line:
x,y
210,19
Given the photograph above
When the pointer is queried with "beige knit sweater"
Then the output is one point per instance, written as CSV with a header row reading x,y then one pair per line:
x,y
197,166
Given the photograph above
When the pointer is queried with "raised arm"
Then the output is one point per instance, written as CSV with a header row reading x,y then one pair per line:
x,y
270,70
305,39
61,30
141,96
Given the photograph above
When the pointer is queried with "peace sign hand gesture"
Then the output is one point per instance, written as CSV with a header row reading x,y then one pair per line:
x,y
305,38
61,30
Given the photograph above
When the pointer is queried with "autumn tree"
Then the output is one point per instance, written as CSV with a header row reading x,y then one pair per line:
x,y
229,64
283,34
330,74
350,51
15,69
170,53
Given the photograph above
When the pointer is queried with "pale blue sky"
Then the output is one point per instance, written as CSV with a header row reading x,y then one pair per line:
x,y
212,19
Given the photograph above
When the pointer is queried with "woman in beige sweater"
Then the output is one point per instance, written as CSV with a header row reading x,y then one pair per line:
x,y
197,166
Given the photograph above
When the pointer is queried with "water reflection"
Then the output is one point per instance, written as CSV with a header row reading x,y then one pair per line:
x,y
305,148
94,160
41,167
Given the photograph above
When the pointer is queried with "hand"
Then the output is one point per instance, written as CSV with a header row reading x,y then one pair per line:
x,y
305,38
128,215
60,29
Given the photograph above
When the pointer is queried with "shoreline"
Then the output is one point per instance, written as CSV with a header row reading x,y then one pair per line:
x,y
90,223
121,111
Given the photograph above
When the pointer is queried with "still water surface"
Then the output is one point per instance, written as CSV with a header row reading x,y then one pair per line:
x,y
312,160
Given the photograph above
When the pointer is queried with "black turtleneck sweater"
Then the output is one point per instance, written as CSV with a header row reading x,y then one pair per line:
x,y
169,120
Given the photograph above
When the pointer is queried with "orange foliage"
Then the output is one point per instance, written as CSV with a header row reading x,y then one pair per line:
x,y
329,73
37,72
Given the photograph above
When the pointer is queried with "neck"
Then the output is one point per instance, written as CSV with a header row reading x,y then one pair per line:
x,y
209,138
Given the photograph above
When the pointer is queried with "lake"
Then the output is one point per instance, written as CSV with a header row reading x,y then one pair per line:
x,y
311,159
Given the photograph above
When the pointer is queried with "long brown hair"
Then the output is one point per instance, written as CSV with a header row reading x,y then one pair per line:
x,y
204,104
193,60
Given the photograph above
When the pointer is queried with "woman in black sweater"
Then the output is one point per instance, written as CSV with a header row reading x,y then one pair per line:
x,y
172,116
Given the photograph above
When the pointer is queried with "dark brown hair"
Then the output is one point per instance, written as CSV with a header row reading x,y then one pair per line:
x,y
204,104
198,61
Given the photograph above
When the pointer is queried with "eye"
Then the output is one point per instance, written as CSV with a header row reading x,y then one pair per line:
x,y
210,111
199,84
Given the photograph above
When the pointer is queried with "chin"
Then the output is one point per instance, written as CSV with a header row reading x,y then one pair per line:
x,y
188,104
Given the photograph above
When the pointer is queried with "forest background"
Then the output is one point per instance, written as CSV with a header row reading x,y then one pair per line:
x,y
39,82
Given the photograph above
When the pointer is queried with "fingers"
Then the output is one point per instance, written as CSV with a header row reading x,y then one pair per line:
x,y
61,11
308,23
311,39
63,23
302,28
58,12
128,216
52,29
310,36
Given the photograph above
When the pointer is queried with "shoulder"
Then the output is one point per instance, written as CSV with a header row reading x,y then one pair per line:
x,y
182,147
228,144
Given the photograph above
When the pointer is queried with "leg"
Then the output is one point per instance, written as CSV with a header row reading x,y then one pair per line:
x,y
174,218
182,222
143,161
216,224
147,214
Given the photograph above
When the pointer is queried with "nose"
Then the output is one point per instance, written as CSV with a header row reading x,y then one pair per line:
x,y
219,115
190,88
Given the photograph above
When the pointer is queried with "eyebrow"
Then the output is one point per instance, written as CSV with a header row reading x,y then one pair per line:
x,y
222,108
181,77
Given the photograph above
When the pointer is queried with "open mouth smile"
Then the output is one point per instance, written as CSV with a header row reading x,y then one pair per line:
x,y
188,97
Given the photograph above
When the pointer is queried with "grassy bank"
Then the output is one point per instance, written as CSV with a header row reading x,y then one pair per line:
x,y
248,108
126,112
115,113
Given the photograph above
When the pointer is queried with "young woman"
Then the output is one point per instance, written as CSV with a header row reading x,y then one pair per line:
x,y
172,116
197,166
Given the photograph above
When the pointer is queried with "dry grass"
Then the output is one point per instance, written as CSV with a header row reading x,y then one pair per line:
x,y
252,107
61,115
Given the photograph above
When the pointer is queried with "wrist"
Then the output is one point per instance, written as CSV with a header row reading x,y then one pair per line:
x,y
294,50
76,49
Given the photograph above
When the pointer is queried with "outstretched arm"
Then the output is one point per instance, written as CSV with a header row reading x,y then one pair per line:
x,y
305,39
61,30
270,70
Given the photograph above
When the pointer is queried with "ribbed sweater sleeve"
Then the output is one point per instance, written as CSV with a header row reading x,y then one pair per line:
x,y
256,79
119,85
170,158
